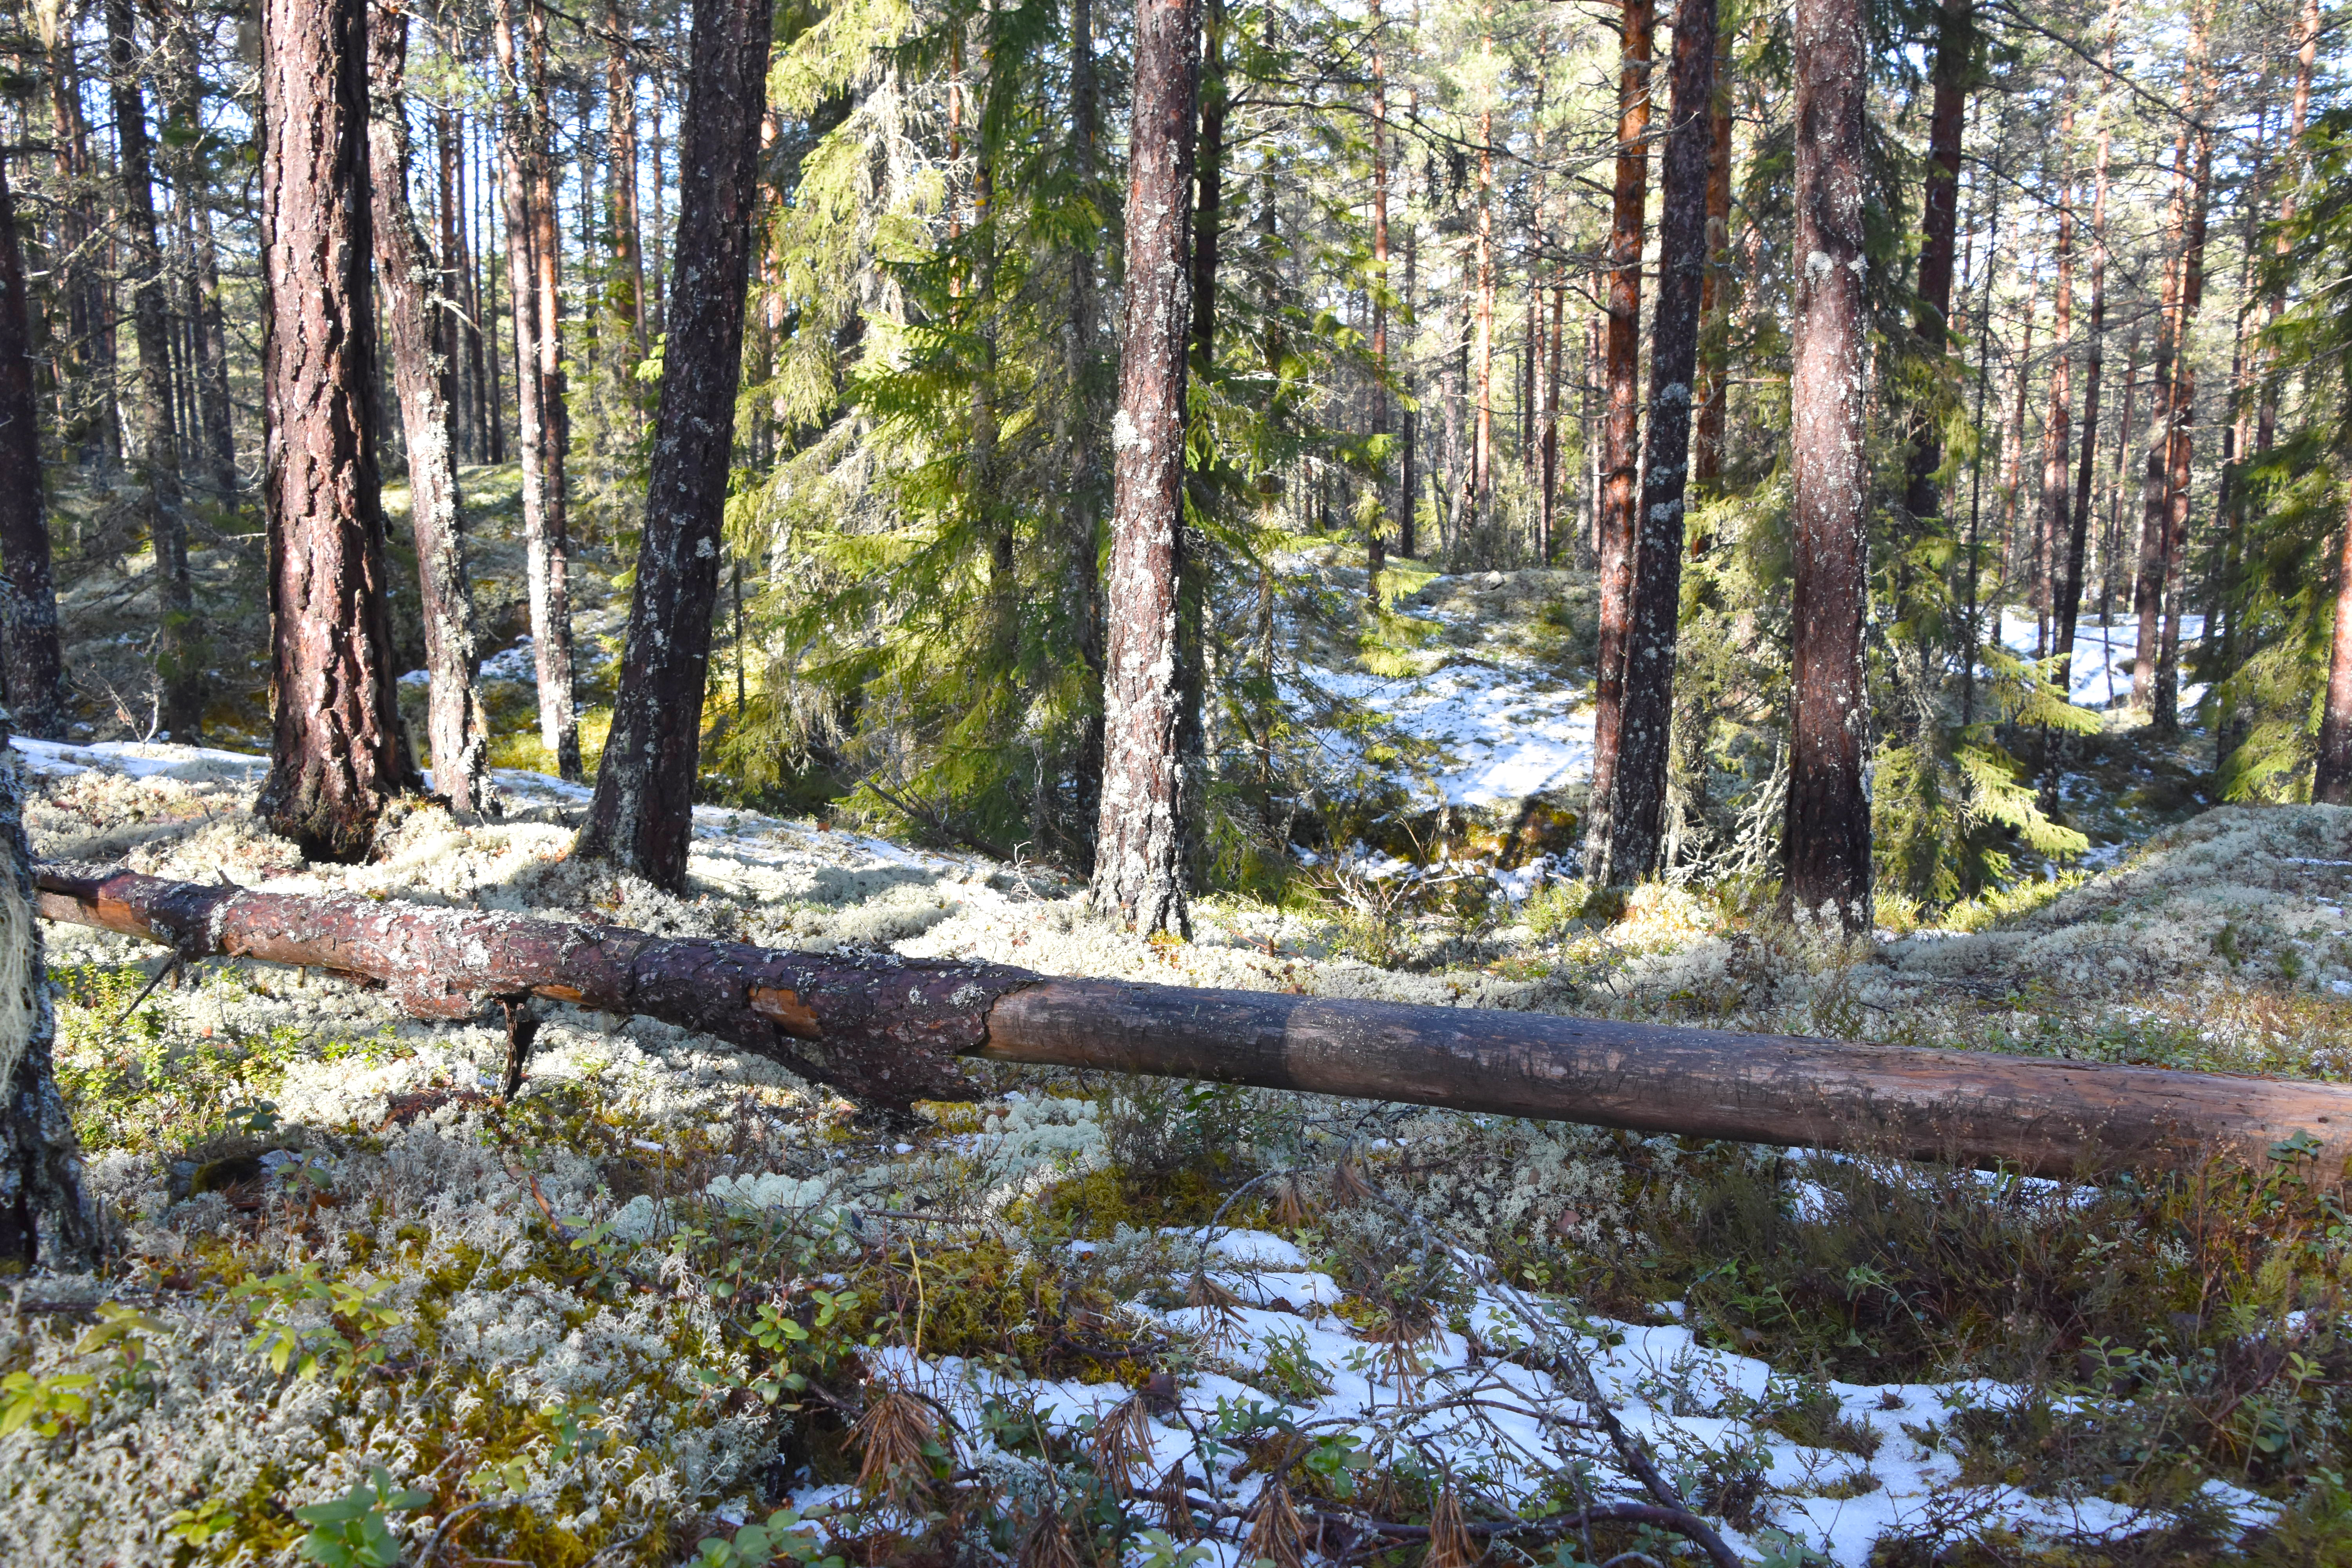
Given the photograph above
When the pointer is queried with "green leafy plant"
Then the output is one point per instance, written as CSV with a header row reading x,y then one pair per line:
x,y
352,1531
47,1404
350,1343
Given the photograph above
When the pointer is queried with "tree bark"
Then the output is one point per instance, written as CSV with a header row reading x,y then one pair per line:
x,y
1954,71
2070,607
1482,456
34,661
456,725
1140,852
1712,396
1407,488
2179,444
1376,542
2331,779
1082,502
1829,815
642,819
628,283
1638,807
86,412
210,332
539,422
2148,588
889,1031
179,647
46,1221
2290,167
1618,522
336,756
2058,418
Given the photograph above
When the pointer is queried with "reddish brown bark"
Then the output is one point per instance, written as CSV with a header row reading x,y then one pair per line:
x,y
1828,842
336,756
1954,71
526,182
1714,385
2298,116
179,647
643,815
1638,806
1617,519
627,286
2180,440
457,726
1138,851
2147,587
1480,491
29,650
888,1031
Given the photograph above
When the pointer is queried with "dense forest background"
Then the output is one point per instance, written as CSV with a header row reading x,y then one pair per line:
x,y
2104,392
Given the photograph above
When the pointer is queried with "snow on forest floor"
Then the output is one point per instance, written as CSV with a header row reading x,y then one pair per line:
x,y
564,1329
2100,671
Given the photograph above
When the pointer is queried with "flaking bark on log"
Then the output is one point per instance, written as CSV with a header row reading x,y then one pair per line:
x,y
880,1030
889,1031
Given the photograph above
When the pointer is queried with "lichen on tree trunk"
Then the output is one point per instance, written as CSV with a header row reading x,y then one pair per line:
x,y
1139,853
45,1220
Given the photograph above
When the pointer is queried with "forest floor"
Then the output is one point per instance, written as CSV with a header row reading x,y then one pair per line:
x,y
670,1291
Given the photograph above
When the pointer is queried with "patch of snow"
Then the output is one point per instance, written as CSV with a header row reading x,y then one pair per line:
x,y
2099,673
1501,734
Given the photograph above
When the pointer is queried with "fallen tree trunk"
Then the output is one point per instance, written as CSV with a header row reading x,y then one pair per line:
x,y
888,1031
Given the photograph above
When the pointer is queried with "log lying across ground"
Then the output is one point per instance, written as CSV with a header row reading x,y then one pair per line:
x,y
889,1031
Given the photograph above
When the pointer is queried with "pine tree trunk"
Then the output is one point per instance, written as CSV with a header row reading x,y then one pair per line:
x,y
522,143
1376,540
46,1221
2155,509
1712,395
2058,418
29,651
456,725
1621,439
1637,810
448,310
210,332
2179,445
336,756
1082,502
628,284
559,724
2014,447
1140,853
642,819
1828,816
1482,456
2298,116
2070,607
88,422
1956,47
2331,779
1409,497
1550,477
179,648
